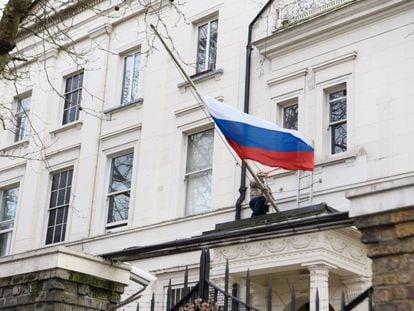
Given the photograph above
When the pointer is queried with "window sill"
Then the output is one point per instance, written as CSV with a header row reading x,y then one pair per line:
x,y
202,76
116,226
138,103
77,124
19,144
334,159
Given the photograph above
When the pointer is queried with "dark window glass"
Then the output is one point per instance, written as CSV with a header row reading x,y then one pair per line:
x,y
59,206
290,117
8,206
73,93
338,120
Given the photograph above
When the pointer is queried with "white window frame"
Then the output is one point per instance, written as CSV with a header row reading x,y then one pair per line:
x,y
328,91
135,53
22,130
207,56
49,208
66,93
124,222
10,221
188,175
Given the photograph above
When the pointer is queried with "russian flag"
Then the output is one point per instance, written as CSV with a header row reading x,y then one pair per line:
x,y
260,140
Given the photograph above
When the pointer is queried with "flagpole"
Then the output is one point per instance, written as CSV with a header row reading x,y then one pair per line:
x,y
264,189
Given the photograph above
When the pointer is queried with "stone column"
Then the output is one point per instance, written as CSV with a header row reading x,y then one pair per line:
x,y
390,240
319,274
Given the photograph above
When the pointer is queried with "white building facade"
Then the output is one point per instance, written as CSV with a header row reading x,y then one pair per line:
x,y
105,148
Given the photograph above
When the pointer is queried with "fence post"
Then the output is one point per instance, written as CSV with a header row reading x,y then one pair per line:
x,y
370,300
269,293
169,294
293,299
137,307
343,304
185,281
153,302
317,300
226,286
202,275
248,289
234,292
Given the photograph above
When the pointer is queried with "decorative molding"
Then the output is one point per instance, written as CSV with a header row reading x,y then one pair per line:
x,y
20,144
124,130
335,61
335,248
77,124
137,104
204,15
187,110
200,77
287,77
102,30
62,150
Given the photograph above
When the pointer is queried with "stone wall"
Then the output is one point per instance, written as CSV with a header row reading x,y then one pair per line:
x,y
390,240
58,289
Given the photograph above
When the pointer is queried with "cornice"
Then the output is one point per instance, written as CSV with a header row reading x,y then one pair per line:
x,y
321,27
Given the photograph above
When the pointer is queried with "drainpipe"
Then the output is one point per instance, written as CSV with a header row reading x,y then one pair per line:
x,y
243,187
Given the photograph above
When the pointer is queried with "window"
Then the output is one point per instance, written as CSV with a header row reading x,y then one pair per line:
x,y
119,190
22,118
59,206
198,172
7,212
337,120
207,46
73,93
130,79
290,116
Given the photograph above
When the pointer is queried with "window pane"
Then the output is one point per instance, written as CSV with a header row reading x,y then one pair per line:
x,y
23,109
338,110
130,78
290,117
135,76
4,243
9,204
337,94
121,173
200,151
73,93
59,206
198,198
202,48
213,45
339,138
118,207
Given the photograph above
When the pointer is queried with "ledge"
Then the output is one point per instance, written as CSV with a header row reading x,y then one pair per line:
x,y
137,103
77,124
19,144
202,76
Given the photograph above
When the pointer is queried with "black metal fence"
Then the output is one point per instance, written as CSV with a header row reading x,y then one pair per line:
x,y
206,295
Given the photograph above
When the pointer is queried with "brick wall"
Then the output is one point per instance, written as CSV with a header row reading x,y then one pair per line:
x,y
58,289
390,240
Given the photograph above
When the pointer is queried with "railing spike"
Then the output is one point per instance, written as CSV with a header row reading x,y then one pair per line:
x,y
153,302
137,309
185,281
293,299
169,294
317,301
248,289
269,293
226,285
343,304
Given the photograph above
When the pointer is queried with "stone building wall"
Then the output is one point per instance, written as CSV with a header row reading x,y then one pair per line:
x,y
390,240
58,289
